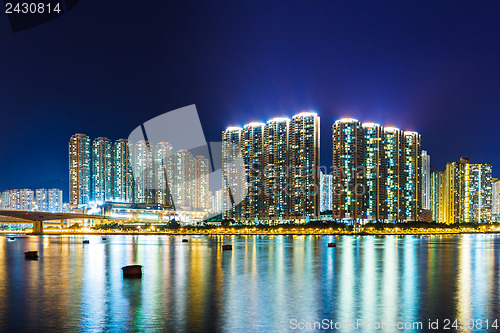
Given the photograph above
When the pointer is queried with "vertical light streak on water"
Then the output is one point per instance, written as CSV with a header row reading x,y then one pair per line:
x,y
93,303
197,287
482,269
390,280
4,285
329,277
464,280
180,284
369,278
410,281
278,283
235,269
347,277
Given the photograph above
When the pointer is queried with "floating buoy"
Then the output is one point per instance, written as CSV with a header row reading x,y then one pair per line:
x,y
227,247
184,240
104,238
332,244
12,238
32,255
132,271
86,241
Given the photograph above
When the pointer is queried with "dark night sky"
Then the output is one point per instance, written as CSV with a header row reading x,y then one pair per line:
x,y
107,66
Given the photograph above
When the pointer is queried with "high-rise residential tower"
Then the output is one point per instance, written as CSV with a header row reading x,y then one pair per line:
x,y
102,170
163,154
426,180
233,173
348,170
276,168
304,160
251,143
123,178
468,192
141,156
79,169
201,188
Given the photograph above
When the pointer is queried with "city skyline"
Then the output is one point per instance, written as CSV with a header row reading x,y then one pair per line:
x,y
441,83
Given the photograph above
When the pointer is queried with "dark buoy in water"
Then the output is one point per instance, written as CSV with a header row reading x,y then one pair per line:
x,y
12,238
104,238
86,241
132,271
227,247
332,244
184,240
32,255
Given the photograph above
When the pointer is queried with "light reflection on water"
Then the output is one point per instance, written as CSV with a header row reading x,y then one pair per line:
x,y
259,286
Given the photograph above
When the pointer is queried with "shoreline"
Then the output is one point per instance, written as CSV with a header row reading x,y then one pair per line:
x,y
256,233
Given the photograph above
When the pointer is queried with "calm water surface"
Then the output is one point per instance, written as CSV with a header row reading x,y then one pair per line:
x,y
262,285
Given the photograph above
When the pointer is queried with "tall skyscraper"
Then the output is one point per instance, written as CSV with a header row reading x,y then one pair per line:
x,y
437,205
426,180
163,154
412,180
377,173
348,169
183,184
123,178
102,170
233,175
275,168
495,214
79,169
142,166
304,160
251,148
201,172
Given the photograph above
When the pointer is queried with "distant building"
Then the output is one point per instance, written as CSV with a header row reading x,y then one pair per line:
x,y
123,178
463,193
41,200
326,192
55,200
426,180
495,213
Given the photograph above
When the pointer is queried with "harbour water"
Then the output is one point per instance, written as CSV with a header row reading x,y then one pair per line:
x,y
264,284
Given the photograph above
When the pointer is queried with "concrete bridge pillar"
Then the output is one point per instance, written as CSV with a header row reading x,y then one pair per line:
x,y
37,227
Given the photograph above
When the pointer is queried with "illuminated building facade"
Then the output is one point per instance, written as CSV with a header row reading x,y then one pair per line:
x,y
304,150
233,176
495,211
326,191
251,149
348,170
163,172
41,200
437,196
79,169
426,180
377,173
54,200
102,170
201,183
281,166
275,171
468,192
123,178
141,156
